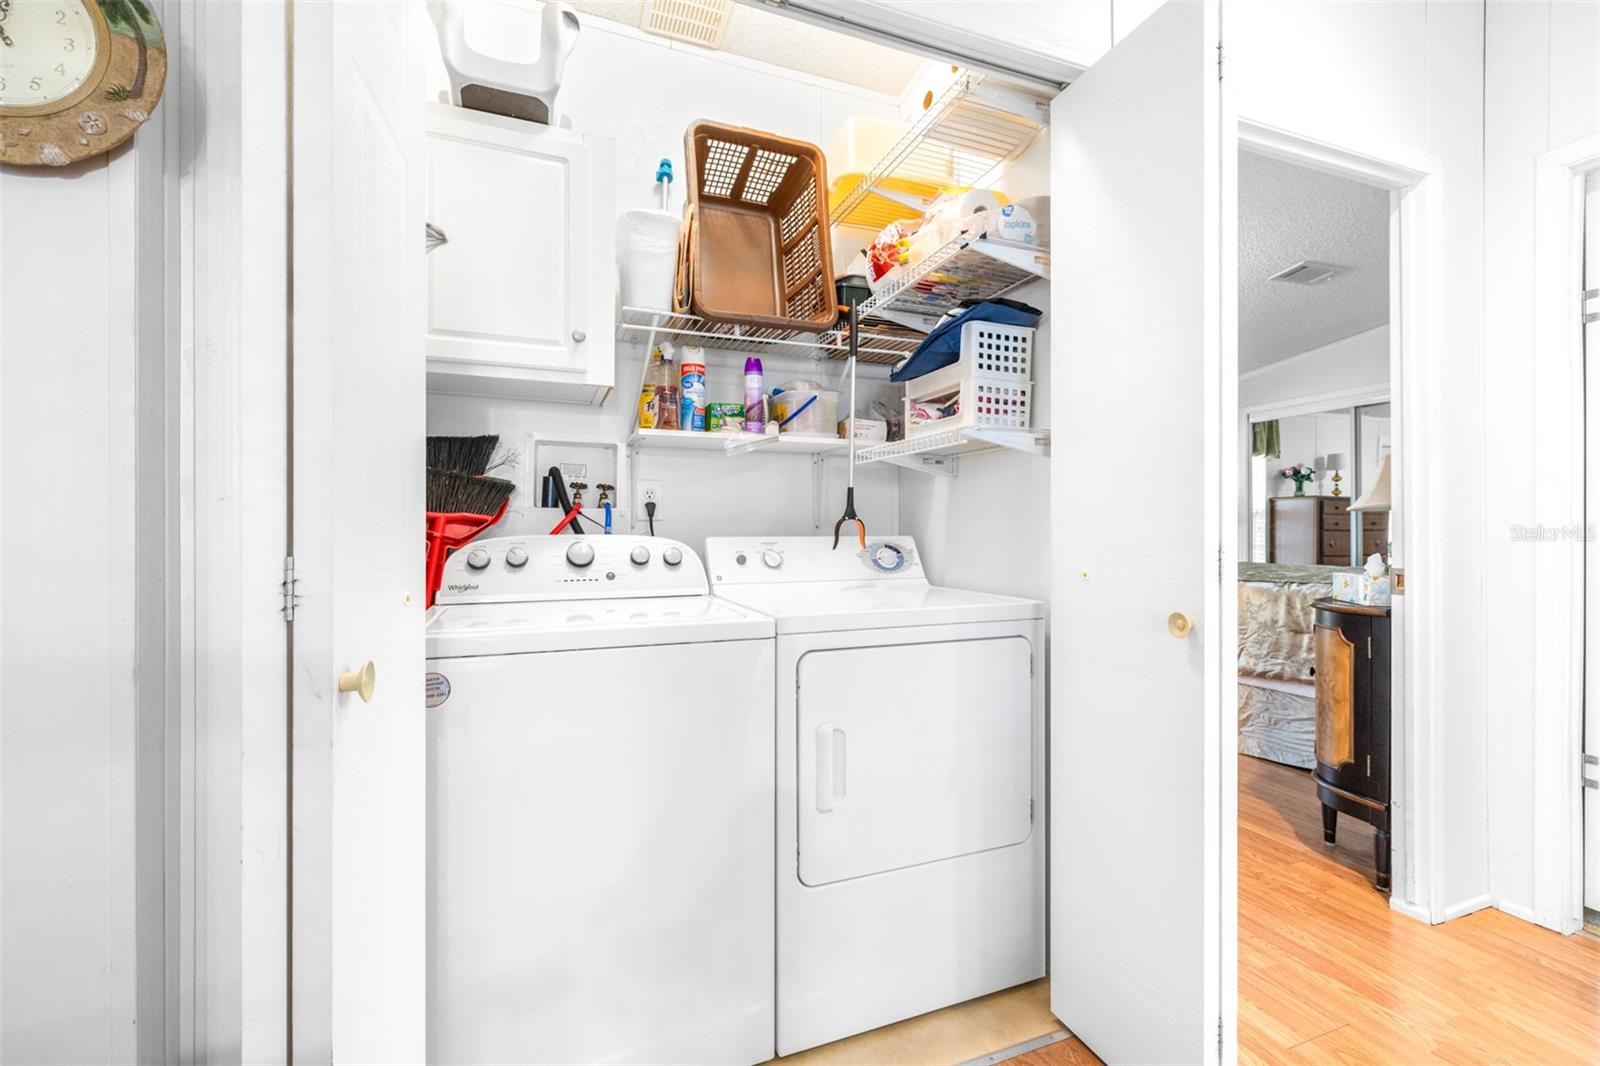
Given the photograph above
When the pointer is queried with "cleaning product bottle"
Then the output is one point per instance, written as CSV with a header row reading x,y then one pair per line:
x,y
692,390
648,417
665,387
755,411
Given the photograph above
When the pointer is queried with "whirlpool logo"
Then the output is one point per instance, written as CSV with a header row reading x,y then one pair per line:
x,y
464,586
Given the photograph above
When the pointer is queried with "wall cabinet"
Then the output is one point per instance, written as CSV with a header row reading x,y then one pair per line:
x,y
520,292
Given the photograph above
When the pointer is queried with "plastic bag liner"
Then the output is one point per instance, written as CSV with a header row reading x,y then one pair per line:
x,y
943,346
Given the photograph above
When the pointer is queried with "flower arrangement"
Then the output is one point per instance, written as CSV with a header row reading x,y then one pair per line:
x,y
1299,473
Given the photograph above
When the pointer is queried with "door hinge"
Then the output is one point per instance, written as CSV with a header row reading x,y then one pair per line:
x,y
1030,811
1219,78
1030,664
1585,297
1583,770
1219,562
1221,1044
290,587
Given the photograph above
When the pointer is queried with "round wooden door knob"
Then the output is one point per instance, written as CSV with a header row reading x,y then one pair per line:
x,y
1178,624
361,681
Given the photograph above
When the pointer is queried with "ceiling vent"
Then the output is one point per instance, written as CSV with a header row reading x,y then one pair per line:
x,y
1307,272
702,22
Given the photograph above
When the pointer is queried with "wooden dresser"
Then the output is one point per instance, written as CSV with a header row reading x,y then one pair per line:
x,y
1352,774
1316,530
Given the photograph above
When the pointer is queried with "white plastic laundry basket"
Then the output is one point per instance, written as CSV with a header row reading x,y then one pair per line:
x,y
991,383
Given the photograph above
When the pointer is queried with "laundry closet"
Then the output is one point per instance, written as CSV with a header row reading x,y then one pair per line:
x,y
832,247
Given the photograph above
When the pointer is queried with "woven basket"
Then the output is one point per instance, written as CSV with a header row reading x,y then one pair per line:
x,y
755,250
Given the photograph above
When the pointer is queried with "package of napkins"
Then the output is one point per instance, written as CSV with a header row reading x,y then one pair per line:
x,y
1369,586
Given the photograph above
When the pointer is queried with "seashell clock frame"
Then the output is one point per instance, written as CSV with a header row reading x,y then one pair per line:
x,y
77,77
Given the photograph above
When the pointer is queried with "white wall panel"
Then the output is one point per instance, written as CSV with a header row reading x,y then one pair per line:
x,y
1543,91
1408,77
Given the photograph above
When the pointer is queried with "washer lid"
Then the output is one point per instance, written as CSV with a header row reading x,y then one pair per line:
x,y
824,606
462,630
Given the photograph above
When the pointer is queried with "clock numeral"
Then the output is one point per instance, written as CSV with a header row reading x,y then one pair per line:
x,y
61,18
61,68
35,84
70,45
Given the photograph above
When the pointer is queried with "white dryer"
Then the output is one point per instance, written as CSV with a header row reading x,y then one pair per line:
x,y
911,838
600,781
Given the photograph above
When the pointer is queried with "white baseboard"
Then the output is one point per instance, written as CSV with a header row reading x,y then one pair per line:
x,y
1465,907
1409,909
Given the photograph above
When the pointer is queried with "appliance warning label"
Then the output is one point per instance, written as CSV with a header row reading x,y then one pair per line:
x,y
437,688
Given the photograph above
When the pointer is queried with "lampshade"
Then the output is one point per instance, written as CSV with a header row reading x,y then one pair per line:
x,y
1333,461
1377,497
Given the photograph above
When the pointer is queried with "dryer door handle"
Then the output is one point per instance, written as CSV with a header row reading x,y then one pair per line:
x,y
830,767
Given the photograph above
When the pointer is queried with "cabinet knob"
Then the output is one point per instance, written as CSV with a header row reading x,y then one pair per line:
x,y
1178,624
361,681
579,335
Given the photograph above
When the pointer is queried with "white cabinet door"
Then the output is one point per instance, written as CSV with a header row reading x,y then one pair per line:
x,y
359,894
1137,917
519,293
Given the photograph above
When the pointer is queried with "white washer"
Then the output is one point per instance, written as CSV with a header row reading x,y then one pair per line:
x,y
600,781
911,838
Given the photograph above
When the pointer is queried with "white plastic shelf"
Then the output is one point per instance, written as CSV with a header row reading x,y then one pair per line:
x,y
642,324
957,142
966,268
733,443
937,452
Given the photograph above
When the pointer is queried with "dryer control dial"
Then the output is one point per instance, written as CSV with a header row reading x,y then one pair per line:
x,y
772,558
672,556
886,558
580,554
516,556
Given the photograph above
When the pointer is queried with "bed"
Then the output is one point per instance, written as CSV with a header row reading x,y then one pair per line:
x,y
1277,698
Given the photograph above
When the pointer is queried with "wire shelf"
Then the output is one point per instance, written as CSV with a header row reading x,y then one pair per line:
x,y
936,452
964,269
637,324
957,142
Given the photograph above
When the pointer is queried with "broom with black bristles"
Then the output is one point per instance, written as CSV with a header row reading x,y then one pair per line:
x,y
464,455
450,492
460,507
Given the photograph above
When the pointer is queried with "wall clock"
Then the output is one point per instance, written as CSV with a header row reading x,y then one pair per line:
x,y
77,77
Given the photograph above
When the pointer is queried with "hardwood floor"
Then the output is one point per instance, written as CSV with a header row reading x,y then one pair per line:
x,y
1329,974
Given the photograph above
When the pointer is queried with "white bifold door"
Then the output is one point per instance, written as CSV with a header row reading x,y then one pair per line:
x,y
1591,705
359,755
1140,933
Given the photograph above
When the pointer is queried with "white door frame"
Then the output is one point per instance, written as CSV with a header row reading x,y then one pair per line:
x,y
1558,572
1414,308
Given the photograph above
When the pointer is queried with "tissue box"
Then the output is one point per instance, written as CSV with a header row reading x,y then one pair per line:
x,y
1362,588
868,430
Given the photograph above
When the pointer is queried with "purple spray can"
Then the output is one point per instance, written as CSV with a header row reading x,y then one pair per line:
x,y
755,408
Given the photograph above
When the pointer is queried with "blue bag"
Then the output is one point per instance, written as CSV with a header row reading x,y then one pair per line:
x,y
943,346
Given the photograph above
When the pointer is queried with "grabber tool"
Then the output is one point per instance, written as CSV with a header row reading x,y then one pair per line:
x,y
852,290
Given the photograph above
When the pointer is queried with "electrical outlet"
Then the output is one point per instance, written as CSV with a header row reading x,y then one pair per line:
x,y
650,492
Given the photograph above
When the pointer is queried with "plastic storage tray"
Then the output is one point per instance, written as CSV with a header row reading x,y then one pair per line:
x,y
755,249
992,381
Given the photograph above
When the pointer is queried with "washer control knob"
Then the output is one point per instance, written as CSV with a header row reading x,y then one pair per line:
x,y
773,559
516,556
477,559
580,554
672,556
640,555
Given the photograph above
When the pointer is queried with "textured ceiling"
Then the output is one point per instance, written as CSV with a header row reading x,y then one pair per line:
x,y
789,43
1288,213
